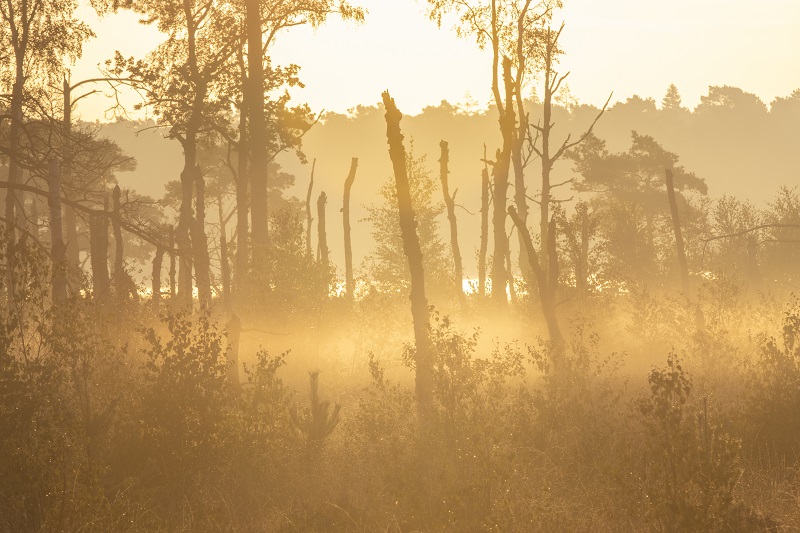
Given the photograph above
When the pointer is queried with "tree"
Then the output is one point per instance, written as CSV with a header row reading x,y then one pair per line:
x,y
263,22
509,28
629,197
177,80
40,35
348,247
449,201
671,100
423,352
386,263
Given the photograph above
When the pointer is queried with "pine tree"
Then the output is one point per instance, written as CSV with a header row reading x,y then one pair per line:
x,y
672,100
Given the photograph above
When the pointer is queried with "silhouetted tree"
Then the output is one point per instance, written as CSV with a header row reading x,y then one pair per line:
x,y
423,353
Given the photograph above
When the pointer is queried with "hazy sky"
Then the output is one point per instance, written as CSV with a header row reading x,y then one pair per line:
x,y
628,46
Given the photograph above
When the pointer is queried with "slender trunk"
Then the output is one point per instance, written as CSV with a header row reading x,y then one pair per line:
x,y
13,207
582,264
57,248
119,266
242,198
98,243
512,291
309,219
449,201
484,231
158,260
521,203
34,222
71,223
348,247
70,220
546,281
200,244
411,247
520,190
547,112
322,246
501,171
172,265
258,132
676,227
185,223
225,268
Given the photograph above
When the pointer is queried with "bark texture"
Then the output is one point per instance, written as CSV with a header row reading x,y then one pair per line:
x,y
58,252
411,247
348,246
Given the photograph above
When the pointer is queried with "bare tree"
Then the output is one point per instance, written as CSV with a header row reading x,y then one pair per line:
x,y
423,355
309,218
449,201
348,247
322,235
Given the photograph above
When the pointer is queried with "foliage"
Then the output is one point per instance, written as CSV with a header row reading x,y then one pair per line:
x,y
690,466
387,264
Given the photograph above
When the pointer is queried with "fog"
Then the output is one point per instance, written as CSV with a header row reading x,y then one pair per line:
x,y
244,314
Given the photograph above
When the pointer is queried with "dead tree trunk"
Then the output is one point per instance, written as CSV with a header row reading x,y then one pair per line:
x,y
501,172
348,247
58,252
309,218
413,252
98,244
450,203
158,260
484,229
322,245
546,280
119,267
676,226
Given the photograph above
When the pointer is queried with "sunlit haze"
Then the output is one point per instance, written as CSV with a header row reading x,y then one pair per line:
x,y
625,46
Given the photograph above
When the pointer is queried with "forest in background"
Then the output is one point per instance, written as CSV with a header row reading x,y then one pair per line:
x,y
701,138
539,317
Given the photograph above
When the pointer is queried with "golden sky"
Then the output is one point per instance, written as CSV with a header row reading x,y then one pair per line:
x,y
628,46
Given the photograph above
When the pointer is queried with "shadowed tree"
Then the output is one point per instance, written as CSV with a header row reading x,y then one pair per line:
x,y
423,353
177,81
40,35
264,20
